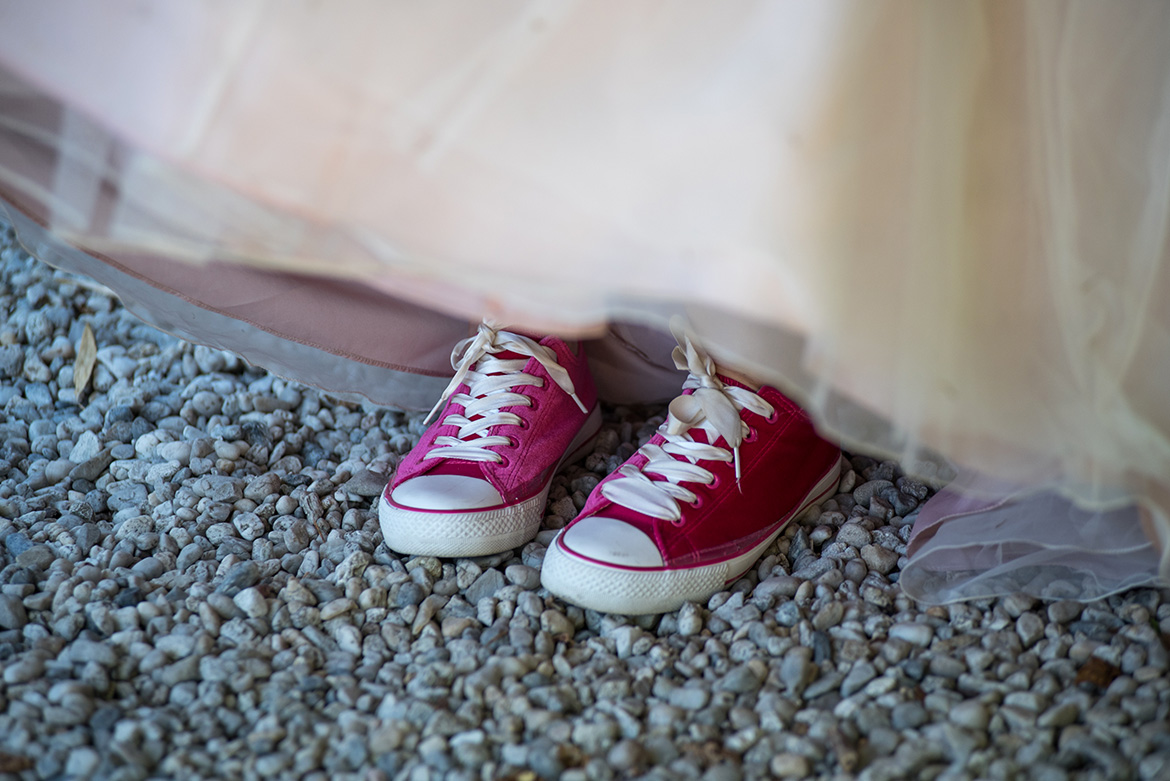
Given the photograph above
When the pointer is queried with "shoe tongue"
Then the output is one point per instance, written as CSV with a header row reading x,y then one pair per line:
x,y
507,355
700,436
533,335
736,383
455,466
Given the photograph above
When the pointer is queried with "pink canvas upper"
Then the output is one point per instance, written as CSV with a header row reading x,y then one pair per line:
x,y
780,463
549,427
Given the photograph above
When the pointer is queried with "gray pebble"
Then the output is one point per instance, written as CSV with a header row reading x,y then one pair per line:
x,y
787,765
828,616
743,678
243,620
855,570
37,557
206,403
690,619
556,623
83,651
87,447
297,536
859,675
149,568
1016,604
352,566
57,470
23,670
11,361
908,715
813,568
1155,766
94,467
796,670
17,543
1059,716
190,554
854,535
625,756
342,605
239,577
249,525
12,612
252,602
788,614
1031,701
777,586
866,491
83,762
625,638
829,682
522,576
1064,611
38,392
879,559
410,594
971,714
691,698
1030,628
486,585
365,483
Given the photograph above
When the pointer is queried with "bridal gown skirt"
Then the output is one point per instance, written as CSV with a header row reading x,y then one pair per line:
x,y
944,228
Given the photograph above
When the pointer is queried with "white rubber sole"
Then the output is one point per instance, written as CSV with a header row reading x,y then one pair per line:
x,y
465,533
626,591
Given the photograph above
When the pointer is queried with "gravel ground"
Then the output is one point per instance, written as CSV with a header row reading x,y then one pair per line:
x,y
192,584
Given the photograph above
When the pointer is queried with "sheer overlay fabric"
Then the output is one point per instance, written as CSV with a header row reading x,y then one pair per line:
x,y
943,227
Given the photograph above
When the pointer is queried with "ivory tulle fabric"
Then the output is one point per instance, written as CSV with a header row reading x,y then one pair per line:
x,y
943,227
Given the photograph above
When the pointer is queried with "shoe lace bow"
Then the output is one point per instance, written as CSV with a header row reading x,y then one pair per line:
x,y
490,387
712,407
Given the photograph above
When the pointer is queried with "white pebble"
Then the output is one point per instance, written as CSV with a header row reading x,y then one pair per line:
x,y
789,766
175,451
88,445
227,450
913,633
252,602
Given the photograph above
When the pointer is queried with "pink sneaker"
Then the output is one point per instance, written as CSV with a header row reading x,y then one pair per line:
x,y
477,481
696,506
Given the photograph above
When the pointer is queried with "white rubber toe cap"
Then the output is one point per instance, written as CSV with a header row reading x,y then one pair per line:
x,y
446,492
613,542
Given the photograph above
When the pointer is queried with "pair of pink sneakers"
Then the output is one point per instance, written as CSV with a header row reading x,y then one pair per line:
x,y
687,514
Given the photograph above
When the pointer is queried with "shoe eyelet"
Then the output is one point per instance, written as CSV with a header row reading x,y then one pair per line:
x,y
697,503
714,484
775,416
752,435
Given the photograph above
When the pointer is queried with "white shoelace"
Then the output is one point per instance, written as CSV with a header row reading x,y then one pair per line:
x,y
714,408
489,383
